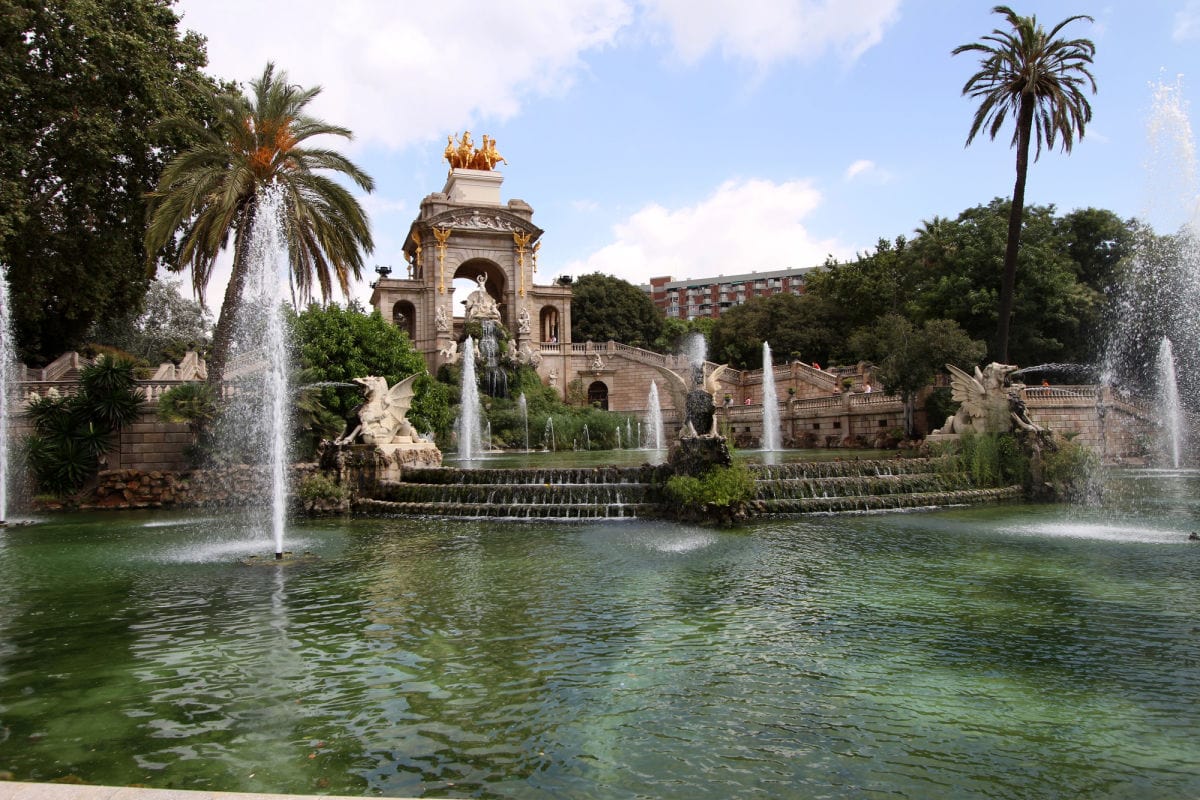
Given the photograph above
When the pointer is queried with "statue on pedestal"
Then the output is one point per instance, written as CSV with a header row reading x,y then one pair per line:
x,y
480,304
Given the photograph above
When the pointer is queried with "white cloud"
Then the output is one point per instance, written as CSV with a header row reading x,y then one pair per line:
x,y
865,169
742,226
858,168
1187,22
395,74
770,31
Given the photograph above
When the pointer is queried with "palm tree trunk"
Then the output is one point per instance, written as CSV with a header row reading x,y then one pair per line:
x,y
223,333
1015,215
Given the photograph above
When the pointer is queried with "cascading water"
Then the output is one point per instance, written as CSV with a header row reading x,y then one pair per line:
x,y
470,436
523,406
770,406
258,412
1170,405
495,379
7,363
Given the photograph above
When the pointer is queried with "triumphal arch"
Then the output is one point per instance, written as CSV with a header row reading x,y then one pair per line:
x,y
466,231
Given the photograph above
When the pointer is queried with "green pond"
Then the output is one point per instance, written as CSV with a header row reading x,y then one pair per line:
x,y
999,652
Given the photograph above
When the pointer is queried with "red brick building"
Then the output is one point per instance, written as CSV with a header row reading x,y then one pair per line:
x,y
708,297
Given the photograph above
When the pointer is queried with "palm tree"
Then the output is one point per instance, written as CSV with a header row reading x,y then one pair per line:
x,y
1041,80
214,188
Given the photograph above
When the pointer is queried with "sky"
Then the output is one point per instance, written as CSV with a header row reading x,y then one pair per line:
x,y
696,138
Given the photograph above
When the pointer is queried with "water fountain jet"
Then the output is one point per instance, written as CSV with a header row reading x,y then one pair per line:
x,y
770,405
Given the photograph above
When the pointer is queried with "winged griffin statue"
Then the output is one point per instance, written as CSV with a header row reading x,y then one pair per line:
x,y
986,404
382,418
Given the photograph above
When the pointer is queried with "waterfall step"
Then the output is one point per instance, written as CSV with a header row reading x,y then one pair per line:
x,y
869,484
510,511
812,505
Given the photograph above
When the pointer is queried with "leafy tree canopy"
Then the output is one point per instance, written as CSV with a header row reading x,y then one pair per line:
x,y
338,344
168,326
604,307
83,84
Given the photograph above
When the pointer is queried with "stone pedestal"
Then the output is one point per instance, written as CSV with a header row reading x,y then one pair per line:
x,y
474,187
362,467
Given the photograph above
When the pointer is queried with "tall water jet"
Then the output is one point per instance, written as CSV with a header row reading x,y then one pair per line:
x,y
770,405
1160,291
7,362
258,412
1172,408
523,406
470,436
548,435
654,420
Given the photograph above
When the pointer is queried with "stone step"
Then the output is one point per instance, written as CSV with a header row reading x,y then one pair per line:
x,y
813,505
510,511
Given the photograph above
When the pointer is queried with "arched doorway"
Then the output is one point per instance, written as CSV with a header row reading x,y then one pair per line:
x,y
549,324
466,280
404,317
598,395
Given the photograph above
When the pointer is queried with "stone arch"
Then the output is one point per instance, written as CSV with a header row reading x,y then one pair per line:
x,y
404,317
497,284
548,324
598,395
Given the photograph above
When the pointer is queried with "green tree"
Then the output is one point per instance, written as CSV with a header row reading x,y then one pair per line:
x,y
336,344
808,327
215,188
1039,79
168,326
604,307
907,357
82,85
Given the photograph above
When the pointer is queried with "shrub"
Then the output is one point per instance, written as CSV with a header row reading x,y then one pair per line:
x,y
724,490
72,434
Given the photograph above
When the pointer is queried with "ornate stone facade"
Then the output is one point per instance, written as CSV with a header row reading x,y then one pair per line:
x,y
465,231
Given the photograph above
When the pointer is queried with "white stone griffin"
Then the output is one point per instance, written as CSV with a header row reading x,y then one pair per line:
x,y
382,418
986,404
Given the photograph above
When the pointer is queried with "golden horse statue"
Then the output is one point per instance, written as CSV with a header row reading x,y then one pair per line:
x,y
461,153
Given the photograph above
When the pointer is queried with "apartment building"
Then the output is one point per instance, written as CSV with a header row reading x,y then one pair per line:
x,y
708,297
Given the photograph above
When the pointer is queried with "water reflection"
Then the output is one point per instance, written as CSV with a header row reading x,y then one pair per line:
x,y
982,652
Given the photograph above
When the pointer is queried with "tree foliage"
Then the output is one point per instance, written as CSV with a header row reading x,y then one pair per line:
x,y
83,84
1040,79
604,307
167,327
214,189
336,344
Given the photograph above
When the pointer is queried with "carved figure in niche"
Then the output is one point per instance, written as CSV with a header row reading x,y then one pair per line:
x,y
382,418
523,321
987,406
597,361
480,304
553,377
440,319
450,352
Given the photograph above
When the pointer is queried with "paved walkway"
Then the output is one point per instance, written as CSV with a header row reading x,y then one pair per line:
x,y
13,790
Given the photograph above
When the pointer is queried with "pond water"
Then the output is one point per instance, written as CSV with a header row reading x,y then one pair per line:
x,y
999,652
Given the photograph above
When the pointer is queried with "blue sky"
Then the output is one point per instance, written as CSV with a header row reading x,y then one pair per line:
x,y
694,138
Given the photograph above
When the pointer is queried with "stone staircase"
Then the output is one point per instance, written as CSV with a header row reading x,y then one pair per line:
x,y
631,492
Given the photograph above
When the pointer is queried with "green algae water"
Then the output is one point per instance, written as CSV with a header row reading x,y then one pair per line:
x,y
998,652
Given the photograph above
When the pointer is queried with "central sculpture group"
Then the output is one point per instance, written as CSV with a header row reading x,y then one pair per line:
x,y
463,154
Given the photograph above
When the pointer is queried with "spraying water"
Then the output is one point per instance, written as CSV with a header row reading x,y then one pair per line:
x,y
770,406
654,419
1172,408
523,405
7,362
548,435
259,409
470,436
